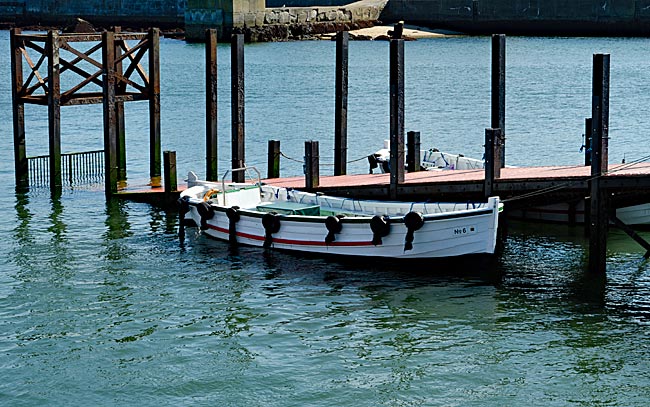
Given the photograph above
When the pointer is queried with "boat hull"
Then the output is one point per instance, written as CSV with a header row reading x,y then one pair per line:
x,y
451,235
289,220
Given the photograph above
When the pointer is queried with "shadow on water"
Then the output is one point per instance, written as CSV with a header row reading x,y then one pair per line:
x,y
337,270
550,263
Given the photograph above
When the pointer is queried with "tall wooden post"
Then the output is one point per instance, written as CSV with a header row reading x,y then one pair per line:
x,y
413,151
396,115
237,108
155,156
341,113
54,111
498,120
211,105
119,114
598,216
492,160
312,178
588,135
110,115
20,149
273,159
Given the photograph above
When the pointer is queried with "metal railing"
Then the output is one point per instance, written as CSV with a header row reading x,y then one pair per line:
x,y
76,169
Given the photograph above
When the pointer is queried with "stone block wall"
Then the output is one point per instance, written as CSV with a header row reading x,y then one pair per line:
x,y
282,23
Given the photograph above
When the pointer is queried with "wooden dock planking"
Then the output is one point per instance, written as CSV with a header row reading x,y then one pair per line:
x,y
468,184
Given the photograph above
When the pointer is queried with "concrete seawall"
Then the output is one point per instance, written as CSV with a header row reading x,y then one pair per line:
x,y
266,24
161,13
526,17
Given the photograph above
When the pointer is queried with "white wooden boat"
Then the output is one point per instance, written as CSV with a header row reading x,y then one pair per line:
x,y
285,219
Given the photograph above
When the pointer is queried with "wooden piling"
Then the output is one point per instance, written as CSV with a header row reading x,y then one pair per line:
x,y
110,116
312,178
54,111
119,114
587,146
154,103
492,160
237,105
396,115
341,104
170,175
20,149
211,105
498,116
273,161
598,203
413,151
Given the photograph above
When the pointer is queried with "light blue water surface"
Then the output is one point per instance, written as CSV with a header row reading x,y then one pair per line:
x,y
100,304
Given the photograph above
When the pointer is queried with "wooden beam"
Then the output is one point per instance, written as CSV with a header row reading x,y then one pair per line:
x,y
237,106
588,135
110,116
598,202
413,159
273,159
341,104
54,111
312,174
498,117
171,177
155,163
211,72
119,112
396,115
20,151
492,160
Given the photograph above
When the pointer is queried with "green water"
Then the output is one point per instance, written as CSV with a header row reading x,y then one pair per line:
x,y
100,304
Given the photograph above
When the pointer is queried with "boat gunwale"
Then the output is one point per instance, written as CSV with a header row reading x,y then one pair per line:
x,y
356,219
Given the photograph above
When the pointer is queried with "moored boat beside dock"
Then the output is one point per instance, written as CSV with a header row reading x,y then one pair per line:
x,y
285,219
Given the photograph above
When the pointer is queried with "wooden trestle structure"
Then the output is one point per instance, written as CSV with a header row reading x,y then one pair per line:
x,y
109,63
